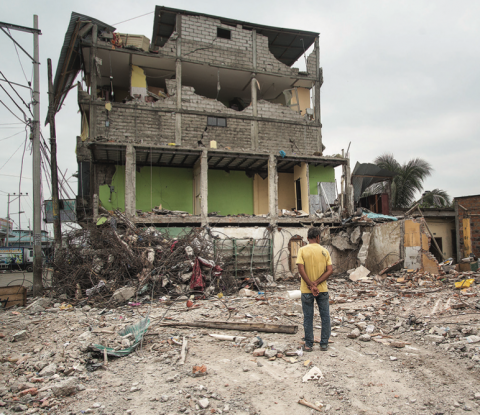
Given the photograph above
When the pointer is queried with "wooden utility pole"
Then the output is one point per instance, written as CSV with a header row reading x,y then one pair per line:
x,y
57,225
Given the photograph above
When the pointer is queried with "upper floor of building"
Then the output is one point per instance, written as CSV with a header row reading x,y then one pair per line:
x,y
200,77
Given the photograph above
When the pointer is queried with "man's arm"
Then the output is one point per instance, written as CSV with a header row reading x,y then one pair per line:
x,y
312,286
324,276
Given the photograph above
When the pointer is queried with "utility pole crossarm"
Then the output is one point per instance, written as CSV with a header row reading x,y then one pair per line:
x,y
20,28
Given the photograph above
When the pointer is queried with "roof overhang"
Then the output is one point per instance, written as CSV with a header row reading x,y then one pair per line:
x,y
287,163
70,60
287,45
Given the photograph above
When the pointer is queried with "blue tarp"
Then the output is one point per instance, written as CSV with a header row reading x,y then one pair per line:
x,y
374,216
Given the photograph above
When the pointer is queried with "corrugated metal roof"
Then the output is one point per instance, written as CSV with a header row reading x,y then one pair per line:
x,y
365,175
69,63
287,45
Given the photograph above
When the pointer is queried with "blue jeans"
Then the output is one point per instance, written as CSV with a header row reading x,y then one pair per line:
x,y
324,308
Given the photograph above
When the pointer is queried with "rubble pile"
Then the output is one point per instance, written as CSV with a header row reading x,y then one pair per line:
x,y
108,263
49,362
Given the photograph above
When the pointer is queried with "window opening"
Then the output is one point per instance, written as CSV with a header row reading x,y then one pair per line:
x,y
298,193
224,33
216,121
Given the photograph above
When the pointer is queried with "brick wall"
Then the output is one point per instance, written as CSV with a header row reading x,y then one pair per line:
x,y
293,139
201,44
267,62
236,135
154,123
132,124
312,64
472,203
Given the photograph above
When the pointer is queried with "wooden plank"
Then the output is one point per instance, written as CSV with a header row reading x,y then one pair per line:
x,y
467,245
12,289
16,295
225,325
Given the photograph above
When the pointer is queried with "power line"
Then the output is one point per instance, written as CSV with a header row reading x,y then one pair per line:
x,y
10,136
18,118
15,102
19,96
16,50
11,156
133,18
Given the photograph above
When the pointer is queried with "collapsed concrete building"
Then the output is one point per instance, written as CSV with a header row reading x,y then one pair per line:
x,y
209,125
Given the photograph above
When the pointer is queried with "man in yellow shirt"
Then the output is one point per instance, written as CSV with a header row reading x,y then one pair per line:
x,y
315,266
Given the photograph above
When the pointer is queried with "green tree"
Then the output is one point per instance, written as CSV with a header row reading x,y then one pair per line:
x,y
407,182
435,198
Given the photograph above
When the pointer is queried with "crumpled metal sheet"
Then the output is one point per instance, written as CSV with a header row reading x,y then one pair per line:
x,y
138,330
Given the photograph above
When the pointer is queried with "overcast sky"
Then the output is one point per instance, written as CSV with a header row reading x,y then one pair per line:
x,y
400,77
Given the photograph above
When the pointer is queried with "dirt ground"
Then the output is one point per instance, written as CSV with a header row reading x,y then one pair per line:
x,y
422,355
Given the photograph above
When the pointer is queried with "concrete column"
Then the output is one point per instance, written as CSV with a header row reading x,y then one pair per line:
x,y
349,203
178,116
130,181
254,49
93,84
272,188
255,113
178,77
95,207
204,187
318,84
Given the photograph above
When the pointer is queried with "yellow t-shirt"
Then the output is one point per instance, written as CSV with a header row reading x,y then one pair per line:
x,y
315,259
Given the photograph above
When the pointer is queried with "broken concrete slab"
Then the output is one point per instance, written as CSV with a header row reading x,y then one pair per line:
x,y
123,294
313,374
360,273
65,387
363,253
342,243
355,236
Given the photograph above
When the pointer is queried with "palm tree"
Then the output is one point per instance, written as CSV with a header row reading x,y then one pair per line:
x,y
408,180
436,198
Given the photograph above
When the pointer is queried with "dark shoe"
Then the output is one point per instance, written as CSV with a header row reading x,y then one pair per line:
x,y
324,347
307,349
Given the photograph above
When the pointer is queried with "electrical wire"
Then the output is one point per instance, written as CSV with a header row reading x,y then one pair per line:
x,y
19,60
133,18
11,112
11,86
10,136
11,157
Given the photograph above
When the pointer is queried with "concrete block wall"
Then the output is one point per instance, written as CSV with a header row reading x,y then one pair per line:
x,y
130,124
293,139
312,63
200,42
237,134
170,47
267,62
267,109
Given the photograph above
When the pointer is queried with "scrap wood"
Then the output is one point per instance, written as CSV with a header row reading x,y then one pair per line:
x,y
183,354
225,325
310,405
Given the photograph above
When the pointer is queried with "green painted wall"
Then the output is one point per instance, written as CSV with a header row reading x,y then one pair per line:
x,y
230,193
320,174
175,232
171,187
117,198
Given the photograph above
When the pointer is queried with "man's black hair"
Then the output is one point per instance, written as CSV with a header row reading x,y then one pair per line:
x,y
313,232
